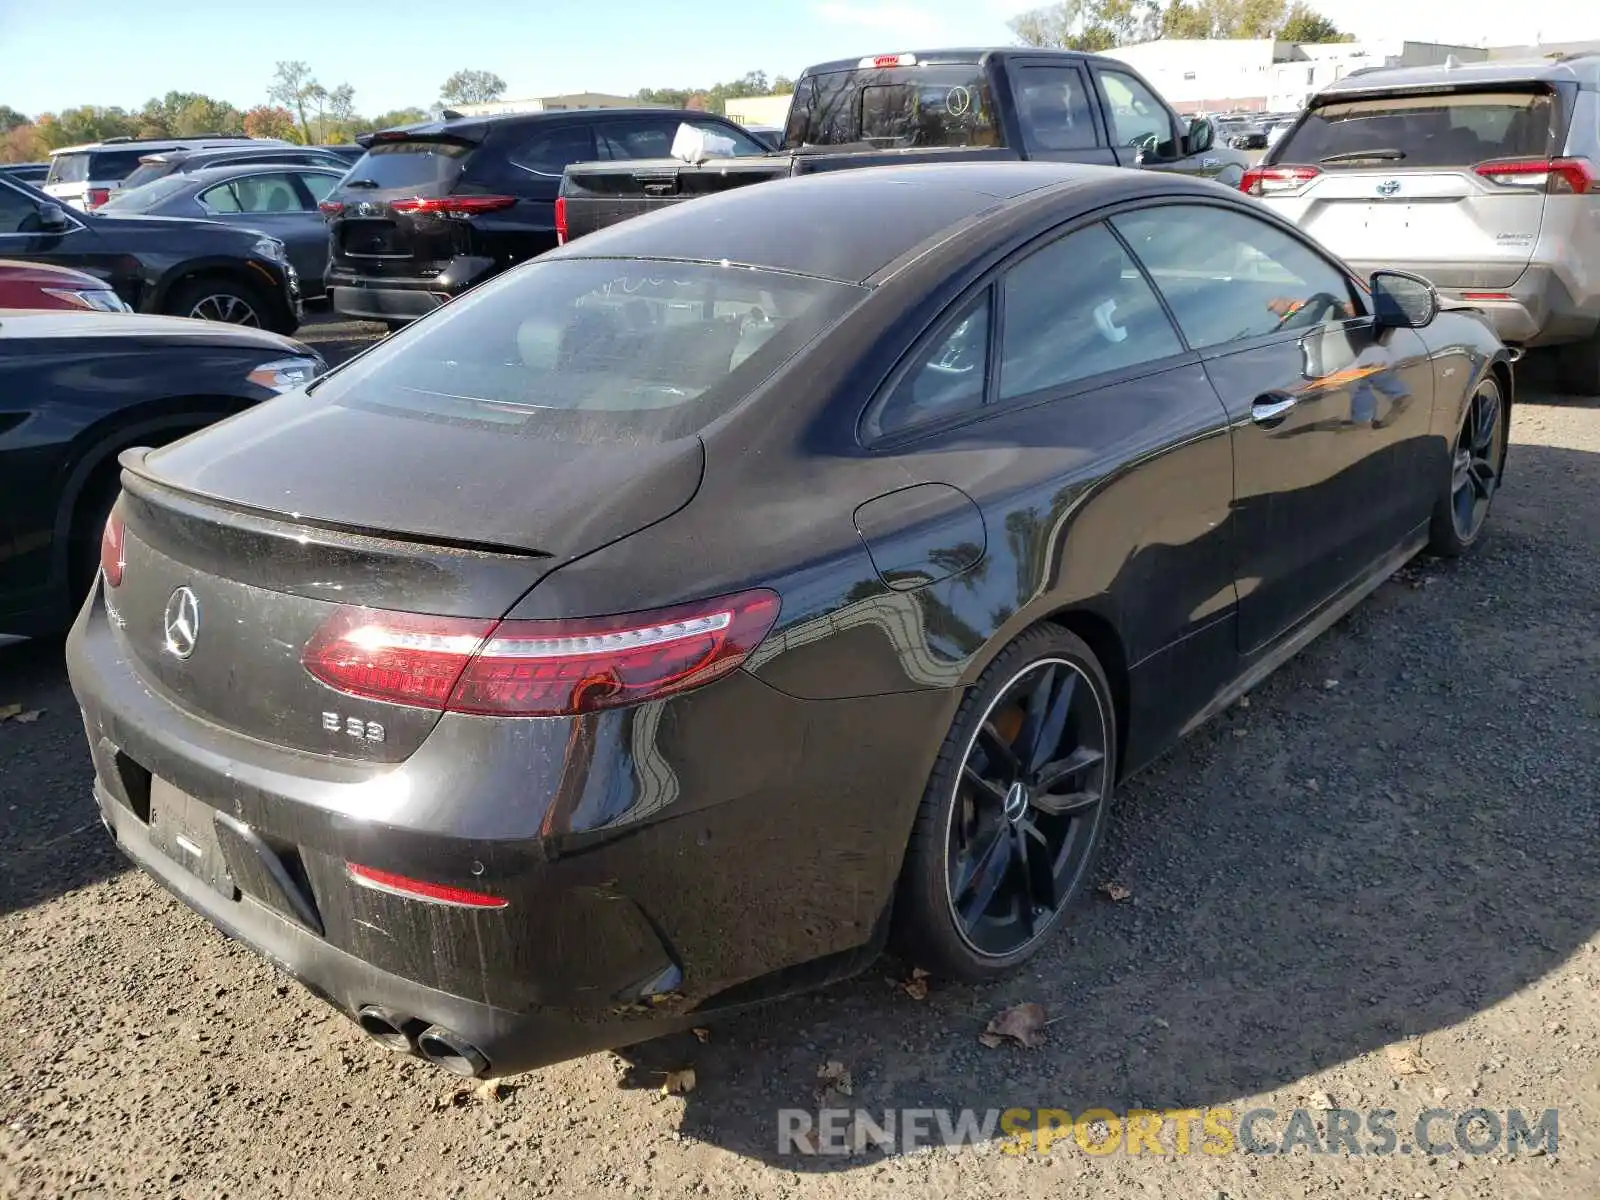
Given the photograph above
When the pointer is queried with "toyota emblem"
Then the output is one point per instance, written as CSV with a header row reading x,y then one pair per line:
x,y
181,623
366,209
1388,187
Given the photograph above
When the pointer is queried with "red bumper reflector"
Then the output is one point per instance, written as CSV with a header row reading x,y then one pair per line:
x,y
418,889
1486,295
111,554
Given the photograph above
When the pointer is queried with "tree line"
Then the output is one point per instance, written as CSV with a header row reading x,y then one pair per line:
x,y
1103,24
300,108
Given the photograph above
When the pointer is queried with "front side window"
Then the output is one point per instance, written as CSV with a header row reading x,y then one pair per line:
x,y
18,213
318,184
1229,276
947,378
1054,105
1137,117
1077,308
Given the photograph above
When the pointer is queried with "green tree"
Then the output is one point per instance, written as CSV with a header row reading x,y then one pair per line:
x,y
88,123
389,120
11,119
342,111
782,86
1088,24
471,87
293,86
202,114
1224,18
1304,24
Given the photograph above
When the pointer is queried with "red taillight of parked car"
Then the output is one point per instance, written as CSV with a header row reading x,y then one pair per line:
x,y
1556,176
561,220
95,197
537,668
420,889
453,206
1276,181
111,552
331,208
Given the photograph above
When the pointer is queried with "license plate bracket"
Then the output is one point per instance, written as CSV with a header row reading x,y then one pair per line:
x,y
183,828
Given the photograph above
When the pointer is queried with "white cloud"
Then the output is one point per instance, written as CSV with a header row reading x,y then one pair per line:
x,y
904,19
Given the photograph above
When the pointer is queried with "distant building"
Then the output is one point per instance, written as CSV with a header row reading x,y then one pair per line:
x,y
1264,74
1544,50
547,104
759,110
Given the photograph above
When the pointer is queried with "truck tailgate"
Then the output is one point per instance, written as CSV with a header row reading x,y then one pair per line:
x,y
604,193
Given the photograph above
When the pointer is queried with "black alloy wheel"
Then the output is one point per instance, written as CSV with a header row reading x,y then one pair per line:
x,y
1013,815
1477,461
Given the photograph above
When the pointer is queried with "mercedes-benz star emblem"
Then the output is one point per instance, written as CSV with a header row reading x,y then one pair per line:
x,y
1388,187
1016,802
182,622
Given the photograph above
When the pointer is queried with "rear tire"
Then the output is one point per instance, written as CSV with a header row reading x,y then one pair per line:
x,y
1010,823
1580,365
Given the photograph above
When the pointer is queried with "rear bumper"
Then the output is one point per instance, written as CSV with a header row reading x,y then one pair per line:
x,y
1538,310
404,298
651,877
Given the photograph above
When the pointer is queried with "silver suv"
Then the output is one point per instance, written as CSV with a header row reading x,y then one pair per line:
x,y
1483,177
86,176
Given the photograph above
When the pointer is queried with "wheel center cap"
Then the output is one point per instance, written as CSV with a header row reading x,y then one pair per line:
x,y
1016,801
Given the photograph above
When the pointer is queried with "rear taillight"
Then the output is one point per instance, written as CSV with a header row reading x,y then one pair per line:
x,y
453,206
1276,181
331,208
111,552
95,197
537,668
1556,176
419,889
561,220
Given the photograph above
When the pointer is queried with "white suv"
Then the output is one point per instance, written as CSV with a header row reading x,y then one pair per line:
x,y
86,176
1484,177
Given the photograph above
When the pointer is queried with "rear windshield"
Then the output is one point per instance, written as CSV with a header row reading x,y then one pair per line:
x,y
148,171
97,166
145,196
894,108
410,164
1454,130
595,349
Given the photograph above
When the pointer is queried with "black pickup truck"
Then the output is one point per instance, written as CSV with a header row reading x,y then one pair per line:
x,y
935,105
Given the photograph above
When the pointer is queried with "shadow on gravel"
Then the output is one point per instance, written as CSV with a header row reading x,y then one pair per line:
x,y
1539,378
51,839
1338,866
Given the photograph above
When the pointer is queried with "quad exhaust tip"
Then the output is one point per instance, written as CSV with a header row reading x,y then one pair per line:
x,y
455,1054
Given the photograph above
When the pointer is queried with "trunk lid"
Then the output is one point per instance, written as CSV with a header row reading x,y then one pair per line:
x,y
1397,179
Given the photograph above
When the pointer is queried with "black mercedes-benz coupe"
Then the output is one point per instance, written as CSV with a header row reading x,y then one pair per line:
x,y
673,621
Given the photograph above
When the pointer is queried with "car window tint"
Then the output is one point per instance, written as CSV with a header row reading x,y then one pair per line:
x,y
318,185
743,144
1136,115
220,198
18,213
1054,105
263,194
948,377
623,140
1414,132
1078,307
1228,275
551,151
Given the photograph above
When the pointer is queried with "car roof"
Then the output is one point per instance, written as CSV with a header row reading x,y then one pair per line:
x,y
188,153
1579,69
173,143
848,225
479,125
956,55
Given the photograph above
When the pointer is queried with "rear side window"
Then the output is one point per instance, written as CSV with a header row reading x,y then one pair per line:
x,y
146,172
592,349
894,108
949,377
68,168
1455,130
1054,105
552,151
147,195
653,139
411,164
254,194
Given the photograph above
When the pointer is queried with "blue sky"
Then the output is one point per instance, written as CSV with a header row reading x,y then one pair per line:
x,y
58,53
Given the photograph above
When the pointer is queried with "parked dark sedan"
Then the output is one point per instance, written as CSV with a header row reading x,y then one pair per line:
x,y
78,388
170,265
276,200
668,623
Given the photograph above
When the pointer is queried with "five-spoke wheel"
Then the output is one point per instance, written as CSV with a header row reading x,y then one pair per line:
x,y
1477,460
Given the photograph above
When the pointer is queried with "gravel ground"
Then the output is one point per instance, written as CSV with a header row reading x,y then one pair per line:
x,y
1372,886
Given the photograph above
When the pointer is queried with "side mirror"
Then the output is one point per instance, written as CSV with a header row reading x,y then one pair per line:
x,y
53,218
1403,301
1201,137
